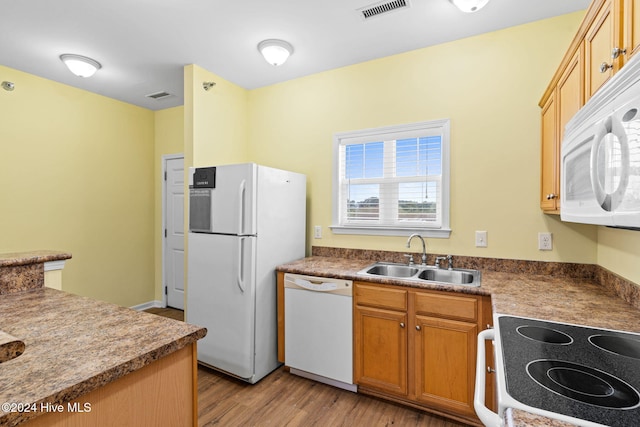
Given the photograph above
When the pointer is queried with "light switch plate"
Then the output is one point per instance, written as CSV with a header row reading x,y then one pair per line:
x,y
481,239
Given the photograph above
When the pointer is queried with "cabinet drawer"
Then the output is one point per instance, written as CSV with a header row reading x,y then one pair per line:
x,y
448,306
378,296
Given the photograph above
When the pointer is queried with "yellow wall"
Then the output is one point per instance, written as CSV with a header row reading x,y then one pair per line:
x,y
169,139
488,86
215,120
619,251
77,175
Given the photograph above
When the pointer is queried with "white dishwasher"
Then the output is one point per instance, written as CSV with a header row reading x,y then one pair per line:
x,y
318,335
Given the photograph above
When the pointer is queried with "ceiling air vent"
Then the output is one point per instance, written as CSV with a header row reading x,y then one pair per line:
x,y
159,95
380,8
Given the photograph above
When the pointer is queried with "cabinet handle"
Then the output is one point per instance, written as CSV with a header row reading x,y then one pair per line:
x,y
551,196
402,324
604,67
418,327
616,52
490,370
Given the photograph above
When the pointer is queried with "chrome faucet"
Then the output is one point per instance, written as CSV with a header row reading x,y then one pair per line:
x,y
448,258
424,247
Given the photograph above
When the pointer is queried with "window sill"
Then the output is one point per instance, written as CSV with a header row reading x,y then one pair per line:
x,y
441,233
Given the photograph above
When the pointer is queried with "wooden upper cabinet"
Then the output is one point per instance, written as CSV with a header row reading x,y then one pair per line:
x,y
602,36
549,178
631,25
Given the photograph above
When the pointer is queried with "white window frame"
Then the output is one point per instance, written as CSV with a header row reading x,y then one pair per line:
x,y
412,130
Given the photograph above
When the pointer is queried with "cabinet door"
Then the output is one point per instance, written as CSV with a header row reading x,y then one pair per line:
x,y
549,157
445,355
631,27
599,40
380,349
570,97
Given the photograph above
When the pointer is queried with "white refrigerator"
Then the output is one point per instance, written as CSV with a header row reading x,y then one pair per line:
x,y
244,220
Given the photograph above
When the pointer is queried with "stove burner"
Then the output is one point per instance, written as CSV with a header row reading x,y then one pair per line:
x,y
618,345
583,384
546,335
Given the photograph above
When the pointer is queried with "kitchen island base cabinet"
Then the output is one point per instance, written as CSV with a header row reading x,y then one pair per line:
x,y
163,393
418,347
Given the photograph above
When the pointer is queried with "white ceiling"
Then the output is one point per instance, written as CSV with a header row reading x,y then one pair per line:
x,y
143,45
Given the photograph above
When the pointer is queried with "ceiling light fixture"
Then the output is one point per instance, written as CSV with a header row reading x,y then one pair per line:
x,y
275,52
79,65
469,6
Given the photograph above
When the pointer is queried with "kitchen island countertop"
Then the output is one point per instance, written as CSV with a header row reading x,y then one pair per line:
x,y
581,301
74,345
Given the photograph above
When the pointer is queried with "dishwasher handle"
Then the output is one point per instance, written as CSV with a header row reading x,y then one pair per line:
x,y
487,416
318,287
327,285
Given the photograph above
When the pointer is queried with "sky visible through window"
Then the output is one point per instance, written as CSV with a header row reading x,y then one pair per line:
x,y
414,157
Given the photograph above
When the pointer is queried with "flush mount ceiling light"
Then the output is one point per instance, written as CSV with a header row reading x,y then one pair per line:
x,y
275,52
79,65
469,6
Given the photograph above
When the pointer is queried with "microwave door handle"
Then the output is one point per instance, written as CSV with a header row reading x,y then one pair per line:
x,y
610,201
487,416
241,206
240,276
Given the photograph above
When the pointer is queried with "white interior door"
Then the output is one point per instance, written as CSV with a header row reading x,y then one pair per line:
x,y
174,232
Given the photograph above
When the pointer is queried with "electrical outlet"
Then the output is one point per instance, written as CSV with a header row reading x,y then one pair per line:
x,y
545,241
317,232
481,239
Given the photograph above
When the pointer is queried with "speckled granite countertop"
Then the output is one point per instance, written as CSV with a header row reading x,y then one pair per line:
x,y
76,344
562,297
32,257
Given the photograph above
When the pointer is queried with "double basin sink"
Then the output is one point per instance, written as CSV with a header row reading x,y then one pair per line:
x,y
423,273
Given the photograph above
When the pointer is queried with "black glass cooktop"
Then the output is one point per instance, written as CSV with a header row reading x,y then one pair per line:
x,y
585,373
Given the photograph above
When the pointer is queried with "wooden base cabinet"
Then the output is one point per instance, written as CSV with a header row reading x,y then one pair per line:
x,y
162,394
380,339
445,363
418,347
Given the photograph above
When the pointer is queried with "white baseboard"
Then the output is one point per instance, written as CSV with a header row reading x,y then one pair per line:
x,y
147,305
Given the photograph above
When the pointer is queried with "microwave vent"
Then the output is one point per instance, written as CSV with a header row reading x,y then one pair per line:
x,y
381,8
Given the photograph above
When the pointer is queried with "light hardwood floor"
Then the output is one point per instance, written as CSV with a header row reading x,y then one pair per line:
x,y
283,399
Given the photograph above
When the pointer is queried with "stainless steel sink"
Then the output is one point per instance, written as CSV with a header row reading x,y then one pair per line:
x,y
423,273
456,276
392,270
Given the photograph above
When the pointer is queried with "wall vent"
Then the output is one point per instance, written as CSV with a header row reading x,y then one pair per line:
x,y
159,95
383,7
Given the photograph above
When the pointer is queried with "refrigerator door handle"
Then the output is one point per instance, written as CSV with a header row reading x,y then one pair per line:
x,y
240,277
241,206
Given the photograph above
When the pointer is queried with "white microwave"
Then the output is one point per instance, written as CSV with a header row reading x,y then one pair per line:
x,y
600,172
